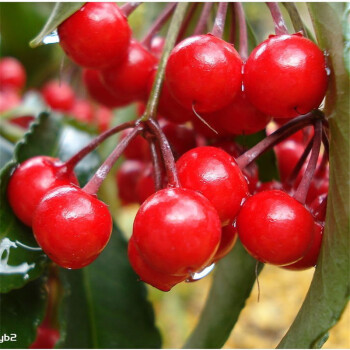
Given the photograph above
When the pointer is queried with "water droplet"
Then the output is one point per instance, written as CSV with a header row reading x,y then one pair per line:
x,y
328,71
51,38
201,274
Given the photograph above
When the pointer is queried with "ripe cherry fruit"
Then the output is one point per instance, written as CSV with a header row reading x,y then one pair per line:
x,y
12,74
204,71
32,180
176,231
214,173
275,228
58,95
96,36
72,226
285,76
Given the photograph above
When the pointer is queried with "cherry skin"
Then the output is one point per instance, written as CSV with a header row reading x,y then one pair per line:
x,y
176,231
147,274
216,175
58,95
157,45
228,239
168,107
32,180
129,79
137,149
145,186
127,178
9,99
82,110
46,338
96,36
204,71
285,76
72,226
98,91
23,121
103,118
318,207
310,258
275,228
12,74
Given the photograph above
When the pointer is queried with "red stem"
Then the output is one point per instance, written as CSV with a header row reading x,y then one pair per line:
x,y
303,188
74,160
291,178
282,133
157,170
129,8
280,26
158,24
203,19
95,182
219,24
243,36
168,158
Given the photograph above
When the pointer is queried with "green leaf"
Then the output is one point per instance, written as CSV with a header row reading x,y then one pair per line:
x,y
233,281
21,258
109,302
329,291
21,311
60,13
6,151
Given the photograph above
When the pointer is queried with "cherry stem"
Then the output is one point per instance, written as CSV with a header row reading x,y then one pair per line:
x,y
72,162
297,22
129,7
321,168
325,141
168,157
186,22
158,24
280,26
157,170
303,188
291,178
219,24
233,24
203,19
282,133
177,18
95,182
243,36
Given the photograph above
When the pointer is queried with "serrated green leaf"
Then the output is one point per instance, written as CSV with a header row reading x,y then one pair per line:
x,y
233,281
109,302
21,258
60,13
21,311
329,291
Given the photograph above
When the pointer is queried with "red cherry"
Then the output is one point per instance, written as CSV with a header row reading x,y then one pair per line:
x,y
204,130
228,240
145,186
72,226
156,279
288,154
129,79
58,95
127,178
12,74
9,99
176,231
137,149
310,258
204,71
157,45
98,91
82,111
96,36
23,122
104,117
285,76
46,338
318,207
168,107
30,182
240,117
268,186
275,228
216,175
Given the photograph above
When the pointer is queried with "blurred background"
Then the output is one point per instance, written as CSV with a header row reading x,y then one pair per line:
x,y
262,323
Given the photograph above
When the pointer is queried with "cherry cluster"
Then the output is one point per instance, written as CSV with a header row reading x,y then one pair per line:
x,y
198,189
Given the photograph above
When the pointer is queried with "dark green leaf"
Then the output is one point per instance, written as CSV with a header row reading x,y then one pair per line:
x,y
21,311
233,280
329,291
60,13
109,302
47,136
